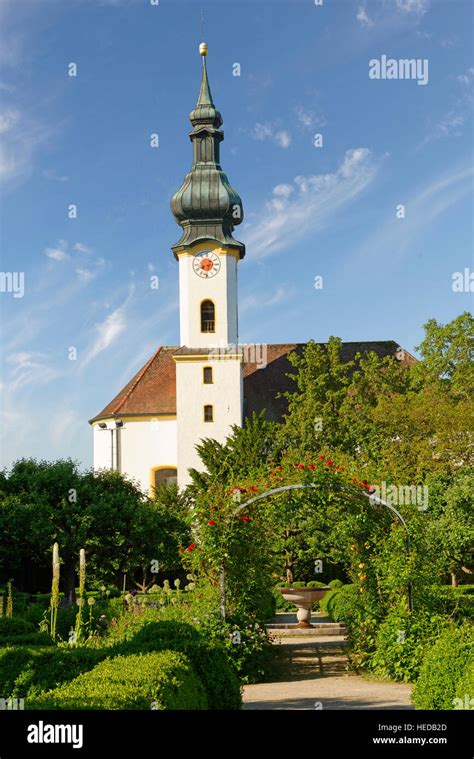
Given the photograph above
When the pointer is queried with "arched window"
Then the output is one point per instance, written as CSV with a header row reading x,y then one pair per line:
x,y
208,316
208,413
163,476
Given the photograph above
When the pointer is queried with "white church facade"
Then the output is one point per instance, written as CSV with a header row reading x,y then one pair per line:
x,y
209,382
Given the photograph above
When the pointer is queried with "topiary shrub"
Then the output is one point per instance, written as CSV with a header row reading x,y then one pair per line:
x,y
444,666
315,584
298,585
164,680
336,584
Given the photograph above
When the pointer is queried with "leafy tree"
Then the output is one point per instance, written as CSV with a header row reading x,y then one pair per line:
x,y
104,513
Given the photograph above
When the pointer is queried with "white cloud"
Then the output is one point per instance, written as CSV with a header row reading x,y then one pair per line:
x,y
363,17
57,253
8,120
416,7
396,237
81,247
309,119
290,216
270,131
454,120
283,189
107,331
29,368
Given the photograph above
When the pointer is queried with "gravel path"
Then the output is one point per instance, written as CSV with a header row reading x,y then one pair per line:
x,y
313,674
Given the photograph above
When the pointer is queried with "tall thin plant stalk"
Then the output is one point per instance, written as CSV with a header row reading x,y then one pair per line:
x,y
82,585
54,602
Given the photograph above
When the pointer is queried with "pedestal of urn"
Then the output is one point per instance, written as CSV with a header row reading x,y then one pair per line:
x,y
303,599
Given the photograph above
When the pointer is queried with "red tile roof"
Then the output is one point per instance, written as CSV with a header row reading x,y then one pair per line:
x,y
153,389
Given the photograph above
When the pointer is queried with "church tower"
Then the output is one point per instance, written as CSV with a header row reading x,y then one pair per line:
x,y
208,363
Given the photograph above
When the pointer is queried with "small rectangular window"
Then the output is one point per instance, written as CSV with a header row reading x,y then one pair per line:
x,y
208,414
207,375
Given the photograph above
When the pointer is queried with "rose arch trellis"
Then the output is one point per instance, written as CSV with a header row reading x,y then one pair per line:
x,y
300,486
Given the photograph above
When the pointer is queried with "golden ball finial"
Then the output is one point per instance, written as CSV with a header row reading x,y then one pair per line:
x,y
203,49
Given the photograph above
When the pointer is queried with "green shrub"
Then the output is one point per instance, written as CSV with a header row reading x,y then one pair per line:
x,y
324,602
315,584
336,584
24,671
402,641
445,664
32,639
164,680
298,584
10,626
465,689
209,660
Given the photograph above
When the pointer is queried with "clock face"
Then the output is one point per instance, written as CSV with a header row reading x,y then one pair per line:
x,y
206,264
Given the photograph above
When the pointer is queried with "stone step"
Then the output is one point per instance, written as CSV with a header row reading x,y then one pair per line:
x,y
316,629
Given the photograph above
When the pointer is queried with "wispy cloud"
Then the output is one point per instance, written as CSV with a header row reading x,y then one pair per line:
x,y
396,237
301,208
453,122
270,131
107,331
414,7
363,17
309,119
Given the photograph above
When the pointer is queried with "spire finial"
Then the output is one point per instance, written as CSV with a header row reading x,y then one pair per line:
x,y
203,49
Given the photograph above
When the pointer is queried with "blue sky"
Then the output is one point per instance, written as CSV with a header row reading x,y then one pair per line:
x,y
309,211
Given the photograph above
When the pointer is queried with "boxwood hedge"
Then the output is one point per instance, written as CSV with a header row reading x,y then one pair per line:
x,y
162,680
444,668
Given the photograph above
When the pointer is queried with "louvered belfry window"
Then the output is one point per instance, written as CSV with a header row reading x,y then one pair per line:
x,y
208,316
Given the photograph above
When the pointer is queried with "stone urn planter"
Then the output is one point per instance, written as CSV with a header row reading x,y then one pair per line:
x,y
303,599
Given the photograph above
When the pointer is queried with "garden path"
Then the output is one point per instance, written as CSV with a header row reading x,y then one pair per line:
x,y
312,673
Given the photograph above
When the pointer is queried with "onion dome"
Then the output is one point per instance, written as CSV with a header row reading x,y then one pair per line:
x,y
206,205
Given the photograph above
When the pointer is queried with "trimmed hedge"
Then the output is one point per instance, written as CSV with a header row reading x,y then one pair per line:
x,y
10,626
444,667
25,671
28,671
164,680
208,659
465,689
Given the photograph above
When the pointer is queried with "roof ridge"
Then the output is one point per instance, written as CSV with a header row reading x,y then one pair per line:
x,y
139,378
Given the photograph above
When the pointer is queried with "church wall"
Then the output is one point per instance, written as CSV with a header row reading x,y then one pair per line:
x,y
144,445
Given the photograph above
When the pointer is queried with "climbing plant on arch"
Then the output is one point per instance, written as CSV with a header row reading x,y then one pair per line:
x,y
242,531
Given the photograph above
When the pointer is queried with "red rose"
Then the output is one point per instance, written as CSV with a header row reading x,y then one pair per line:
x,y
311,466
190,548
279,468
245,519
300,466
181,550
329,462
320,457
254,490
211,522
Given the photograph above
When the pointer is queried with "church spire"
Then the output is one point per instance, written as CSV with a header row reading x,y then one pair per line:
x,y
206,206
